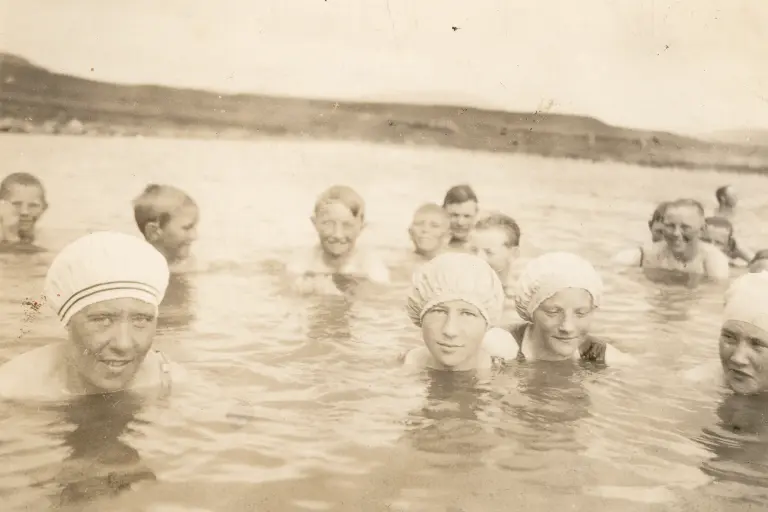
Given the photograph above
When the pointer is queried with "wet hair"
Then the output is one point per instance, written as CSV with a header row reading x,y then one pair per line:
x,y
762,254
686,203
658,213
721,192
24,179
345,195
505,223
432,208
459,194
157,203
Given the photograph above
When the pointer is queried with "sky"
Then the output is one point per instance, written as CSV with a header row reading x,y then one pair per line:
x,y
691,66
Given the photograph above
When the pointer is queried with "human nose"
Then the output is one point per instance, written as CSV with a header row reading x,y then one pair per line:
x,y
450,326
122,339
567,325
740,355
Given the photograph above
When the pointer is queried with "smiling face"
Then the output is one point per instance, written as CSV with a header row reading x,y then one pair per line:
x,y
174,237
110,340
430,232
683,227
561,323
338,229
744,356
453,333
462,216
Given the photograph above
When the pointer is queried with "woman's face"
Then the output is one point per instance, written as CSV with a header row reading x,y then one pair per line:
x,y
562,322
744,356
453,332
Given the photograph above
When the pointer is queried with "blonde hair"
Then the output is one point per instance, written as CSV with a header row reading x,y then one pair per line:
x,y
157,203
343,195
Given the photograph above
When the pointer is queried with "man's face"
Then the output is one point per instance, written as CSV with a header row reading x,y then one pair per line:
x,y
462,217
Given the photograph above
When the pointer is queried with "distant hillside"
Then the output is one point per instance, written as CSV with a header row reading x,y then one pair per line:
x,y
743,137
34,100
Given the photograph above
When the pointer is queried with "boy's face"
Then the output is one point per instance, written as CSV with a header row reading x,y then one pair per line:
x,y
430,232
683,227
491,246
338,228
175,238
27,200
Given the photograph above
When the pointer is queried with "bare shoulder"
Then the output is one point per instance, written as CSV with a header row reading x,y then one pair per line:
x,y
31,375
500,343
416,357
373,266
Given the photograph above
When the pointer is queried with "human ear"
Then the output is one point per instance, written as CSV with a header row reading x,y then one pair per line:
x,y
152,231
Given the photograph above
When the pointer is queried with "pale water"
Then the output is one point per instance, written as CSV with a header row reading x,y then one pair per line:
x,y
307,408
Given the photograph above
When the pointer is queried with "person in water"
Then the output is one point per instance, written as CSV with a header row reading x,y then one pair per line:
x,y
430,231
719,232
556,296
682,249
462,206
339,219
22,203
759,262
456,299
167,218
744,335
105,289
656,224
727,199
496,240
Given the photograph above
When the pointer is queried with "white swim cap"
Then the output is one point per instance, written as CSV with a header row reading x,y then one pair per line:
x,y
546,275
456,276
103,266
747,300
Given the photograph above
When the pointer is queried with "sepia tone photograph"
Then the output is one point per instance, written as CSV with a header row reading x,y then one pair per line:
x,y
383,255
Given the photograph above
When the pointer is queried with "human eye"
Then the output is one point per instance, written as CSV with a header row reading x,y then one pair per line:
x,y
142,320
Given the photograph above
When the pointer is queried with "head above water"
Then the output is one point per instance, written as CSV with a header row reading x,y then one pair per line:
x,y
462,206
26,194
167,218
726,196
496,239
455,298
430,229
557,293
656,223
339,218
105,289
683,226
744,334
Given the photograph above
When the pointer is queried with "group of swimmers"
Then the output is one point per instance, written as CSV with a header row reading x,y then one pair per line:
x,y
107,288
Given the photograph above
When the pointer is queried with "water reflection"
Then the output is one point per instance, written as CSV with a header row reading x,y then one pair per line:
x,y
328,318
100,463
739,441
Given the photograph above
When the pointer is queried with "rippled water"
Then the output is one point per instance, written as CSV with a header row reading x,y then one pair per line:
x,y
305,407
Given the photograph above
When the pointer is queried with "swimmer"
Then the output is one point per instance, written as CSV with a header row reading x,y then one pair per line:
x,y
557,295
22,203
682,249
726,202
719,232
656,224
430,231
743,343
105,289
455,299
167,218
759,262
496,240
462,206
339,218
